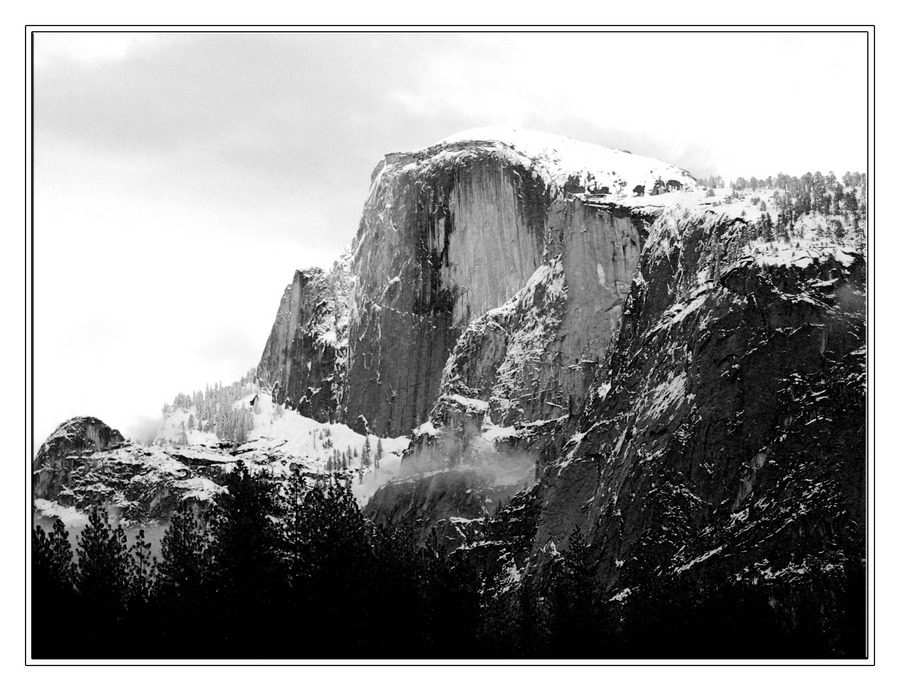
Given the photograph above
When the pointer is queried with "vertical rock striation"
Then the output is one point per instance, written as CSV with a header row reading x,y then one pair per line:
x,y
440,243
451,233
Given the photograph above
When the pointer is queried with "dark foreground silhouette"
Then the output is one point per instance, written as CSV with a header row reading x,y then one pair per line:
x,y
301,574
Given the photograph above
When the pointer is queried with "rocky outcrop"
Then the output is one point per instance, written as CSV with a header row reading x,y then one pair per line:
x,y
304,359
450,505
447,504
66,449
85,463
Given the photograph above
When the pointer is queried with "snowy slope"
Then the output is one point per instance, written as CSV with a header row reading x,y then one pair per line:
x,y
175,428
302,440
557,159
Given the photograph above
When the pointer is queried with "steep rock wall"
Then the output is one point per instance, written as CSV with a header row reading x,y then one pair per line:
x,y
305,353
533,357
440,242
729,431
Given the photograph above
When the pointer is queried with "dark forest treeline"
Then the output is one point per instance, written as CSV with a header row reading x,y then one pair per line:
x,y
296,571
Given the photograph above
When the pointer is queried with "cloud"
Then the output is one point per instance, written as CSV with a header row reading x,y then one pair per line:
x,y
229,347
673,96
65,47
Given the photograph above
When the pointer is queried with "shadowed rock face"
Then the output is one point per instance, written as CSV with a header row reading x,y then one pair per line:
x,y
302,367
445,503
306,348
450,505
729,431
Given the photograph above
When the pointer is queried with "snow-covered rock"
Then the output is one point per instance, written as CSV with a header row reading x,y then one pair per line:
x,y
85,463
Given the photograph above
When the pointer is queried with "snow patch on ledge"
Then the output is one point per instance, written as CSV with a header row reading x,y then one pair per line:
x,y
469,403
697,560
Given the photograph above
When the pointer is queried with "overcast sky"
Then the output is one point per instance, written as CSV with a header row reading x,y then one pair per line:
x,y
180,179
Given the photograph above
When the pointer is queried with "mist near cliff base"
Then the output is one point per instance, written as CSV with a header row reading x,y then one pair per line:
x,y
470,451
142,429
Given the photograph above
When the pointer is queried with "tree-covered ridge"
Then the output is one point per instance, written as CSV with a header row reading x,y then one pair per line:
x,y
839,203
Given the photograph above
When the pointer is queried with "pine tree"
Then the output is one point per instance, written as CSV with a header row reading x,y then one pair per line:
x,y
245,563
184,566
366,453
142,572
102,579
52,554
103,561
324,549
379,453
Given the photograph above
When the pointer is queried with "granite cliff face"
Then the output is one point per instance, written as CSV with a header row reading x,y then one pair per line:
x,y
533,357
480,221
